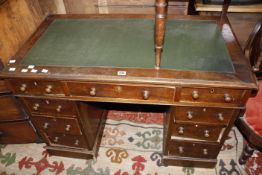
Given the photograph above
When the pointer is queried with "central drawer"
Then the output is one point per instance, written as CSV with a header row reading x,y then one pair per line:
x,y
57,125
137,92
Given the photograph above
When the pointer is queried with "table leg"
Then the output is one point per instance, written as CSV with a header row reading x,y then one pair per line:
x,y
161,13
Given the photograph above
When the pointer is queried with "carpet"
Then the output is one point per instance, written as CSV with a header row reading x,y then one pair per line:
x,y
131,145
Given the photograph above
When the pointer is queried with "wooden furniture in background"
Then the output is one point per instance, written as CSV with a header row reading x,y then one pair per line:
x,y
250,125
252,8
15,126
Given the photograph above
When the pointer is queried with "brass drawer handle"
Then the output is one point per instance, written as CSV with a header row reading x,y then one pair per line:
x,y
205,152
93,91
23,87
181,130
58,109
227,98
49,88
46,125
146,94
76,142
220,116
206,133
56,139
180,149
189,115
36,106
195,94
68,127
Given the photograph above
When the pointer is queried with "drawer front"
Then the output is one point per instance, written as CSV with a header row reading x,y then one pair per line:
x,y
196,132
203,114
57,125
193,149
10,109
212,95
122,91
37,87
51,107
67,140
17,132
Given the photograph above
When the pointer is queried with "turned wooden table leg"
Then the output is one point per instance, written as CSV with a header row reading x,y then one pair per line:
x,y
161,14
246,154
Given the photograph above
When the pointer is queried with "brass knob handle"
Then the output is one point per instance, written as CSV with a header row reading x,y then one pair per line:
x,y
220,116
23,87
195,94
56,139
205,152
49,88
189,115
227,98
146,94
180,149
76,142
46,125
68,127
206,133
181,130
58,109
36,107
93,91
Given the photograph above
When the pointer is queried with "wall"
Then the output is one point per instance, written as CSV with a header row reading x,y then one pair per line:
x,y
107,6
18,20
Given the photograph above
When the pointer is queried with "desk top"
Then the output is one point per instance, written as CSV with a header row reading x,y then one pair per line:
x,y
119,48
189,45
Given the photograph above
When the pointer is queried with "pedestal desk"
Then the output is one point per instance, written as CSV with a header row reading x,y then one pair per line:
x,y
74,66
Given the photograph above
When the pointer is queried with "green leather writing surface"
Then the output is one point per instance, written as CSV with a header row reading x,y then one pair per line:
x,y
189,45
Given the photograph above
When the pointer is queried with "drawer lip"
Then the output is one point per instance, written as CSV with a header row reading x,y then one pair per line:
x,y
173,146
217,96
37,87
194,134
72,113
76,131
83,141
203,115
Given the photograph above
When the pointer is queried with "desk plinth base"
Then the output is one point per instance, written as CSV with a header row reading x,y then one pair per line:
x,y
189,162
72,153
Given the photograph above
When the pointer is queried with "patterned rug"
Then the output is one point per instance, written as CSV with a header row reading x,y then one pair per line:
x,y
131,145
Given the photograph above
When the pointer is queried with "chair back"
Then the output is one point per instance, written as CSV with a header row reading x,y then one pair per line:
x,y
252,49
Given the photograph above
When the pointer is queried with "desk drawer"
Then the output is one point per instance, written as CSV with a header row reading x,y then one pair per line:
x,y
57,125
212,95
196,132
17,132
37,87
193,149
67,140
51,107
10,109
136,92
220,116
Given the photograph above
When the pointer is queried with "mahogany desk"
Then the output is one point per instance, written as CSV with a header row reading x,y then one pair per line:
x,y
73,67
